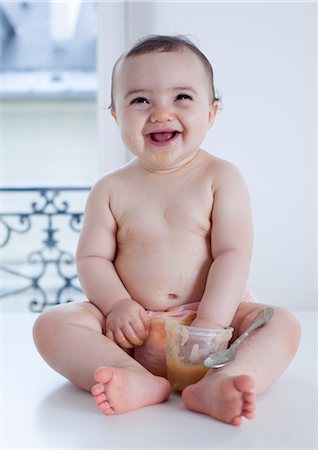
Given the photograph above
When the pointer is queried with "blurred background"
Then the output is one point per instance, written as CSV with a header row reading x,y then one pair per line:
x,y
57,136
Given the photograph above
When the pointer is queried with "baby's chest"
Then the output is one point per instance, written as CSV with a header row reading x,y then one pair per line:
x,y
157,217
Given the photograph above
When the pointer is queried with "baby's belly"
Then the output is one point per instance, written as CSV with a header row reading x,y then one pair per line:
x,y
163,275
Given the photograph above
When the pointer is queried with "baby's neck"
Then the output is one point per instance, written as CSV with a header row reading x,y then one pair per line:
x,y
160,169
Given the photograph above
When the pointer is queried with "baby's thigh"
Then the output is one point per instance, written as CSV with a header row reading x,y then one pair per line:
x,y
85,314
61,317
245,315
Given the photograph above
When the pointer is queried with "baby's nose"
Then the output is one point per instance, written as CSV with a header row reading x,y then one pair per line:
x,y
161,114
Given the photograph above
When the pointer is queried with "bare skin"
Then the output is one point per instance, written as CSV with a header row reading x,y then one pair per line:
x,y
170,228
123,390
229,394
224,397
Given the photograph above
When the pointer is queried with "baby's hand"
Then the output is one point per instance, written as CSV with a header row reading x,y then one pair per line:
x,y
127,324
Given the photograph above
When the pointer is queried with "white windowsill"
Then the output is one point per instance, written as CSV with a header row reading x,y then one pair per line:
x,y
48,85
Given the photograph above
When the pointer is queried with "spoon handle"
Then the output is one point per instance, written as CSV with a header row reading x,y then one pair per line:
x,y
266,314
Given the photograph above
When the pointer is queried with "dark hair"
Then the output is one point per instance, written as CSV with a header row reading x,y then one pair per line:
x,y
160,43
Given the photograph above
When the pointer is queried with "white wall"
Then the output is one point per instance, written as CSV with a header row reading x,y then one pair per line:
x,y
263,56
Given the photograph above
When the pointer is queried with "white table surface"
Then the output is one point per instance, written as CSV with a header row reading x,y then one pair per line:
x,y
42,410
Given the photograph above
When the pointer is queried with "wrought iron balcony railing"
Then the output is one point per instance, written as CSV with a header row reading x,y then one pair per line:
x,y
39,229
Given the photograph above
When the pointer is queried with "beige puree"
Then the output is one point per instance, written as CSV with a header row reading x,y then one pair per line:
x,y
186,349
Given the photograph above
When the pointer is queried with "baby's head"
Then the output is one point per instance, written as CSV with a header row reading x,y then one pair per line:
x,y
169,44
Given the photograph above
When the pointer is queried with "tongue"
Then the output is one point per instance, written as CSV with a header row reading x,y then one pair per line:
x,y
161,137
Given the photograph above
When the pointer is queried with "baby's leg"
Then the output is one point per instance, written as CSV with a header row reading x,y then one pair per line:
x,y
71,339
229,393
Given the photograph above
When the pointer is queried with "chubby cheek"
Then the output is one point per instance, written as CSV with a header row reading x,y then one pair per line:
x,y
130,127
196,126
132,138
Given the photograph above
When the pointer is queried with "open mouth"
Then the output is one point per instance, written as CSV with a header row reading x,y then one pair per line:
x,y
163,137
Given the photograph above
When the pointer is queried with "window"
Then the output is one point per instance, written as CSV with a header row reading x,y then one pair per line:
x,y
49,146
48,49
48,90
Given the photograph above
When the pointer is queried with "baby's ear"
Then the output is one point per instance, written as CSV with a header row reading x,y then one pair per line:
x,y
212,112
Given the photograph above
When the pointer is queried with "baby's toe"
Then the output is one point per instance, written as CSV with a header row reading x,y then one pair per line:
x,y
249,407
249,397
106,408
248,415
237,421
100,398
98,389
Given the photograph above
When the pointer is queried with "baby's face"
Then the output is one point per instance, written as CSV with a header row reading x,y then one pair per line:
x,y
163,107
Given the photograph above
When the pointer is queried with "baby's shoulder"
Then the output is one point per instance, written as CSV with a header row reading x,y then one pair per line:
x,y
218,167
223,174
112,180
104,188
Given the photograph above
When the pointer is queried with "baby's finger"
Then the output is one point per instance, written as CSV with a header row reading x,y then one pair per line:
x,y
111,336
139,328
121,339
132,335
145,321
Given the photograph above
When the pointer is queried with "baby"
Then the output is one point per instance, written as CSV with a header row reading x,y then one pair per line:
x,y
170,229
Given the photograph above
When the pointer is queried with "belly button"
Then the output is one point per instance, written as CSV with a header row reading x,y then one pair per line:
x,y
172,296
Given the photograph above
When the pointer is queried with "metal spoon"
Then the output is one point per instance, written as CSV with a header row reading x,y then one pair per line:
x,y
224,357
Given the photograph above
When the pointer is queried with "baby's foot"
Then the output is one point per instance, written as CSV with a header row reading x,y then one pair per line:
x,y
224,397
122,390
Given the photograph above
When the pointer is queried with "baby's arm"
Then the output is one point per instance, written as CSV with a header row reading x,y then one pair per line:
x,y
231,246
127,321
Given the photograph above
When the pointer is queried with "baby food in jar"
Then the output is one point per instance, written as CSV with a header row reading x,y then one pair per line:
x,y
186,349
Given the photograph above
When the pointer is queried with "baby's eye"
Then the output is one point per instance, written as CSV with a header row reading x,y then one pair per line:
x,y
139,100
183,97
